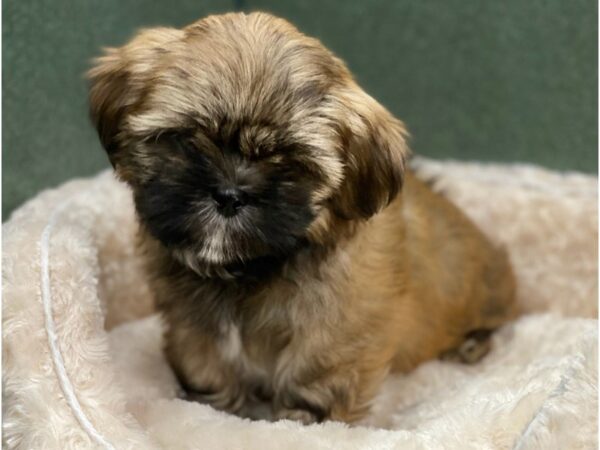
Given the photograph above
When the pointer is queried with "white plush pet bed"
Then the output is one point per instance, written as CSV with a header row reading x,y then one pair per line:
x,y
70,273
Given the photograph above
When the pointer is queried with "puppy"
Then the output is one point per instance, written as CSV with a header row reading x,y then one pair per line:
x,y
288,267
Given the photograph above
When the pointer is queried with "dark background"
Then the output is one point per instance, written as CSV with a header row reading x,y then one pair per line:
x,y
512,81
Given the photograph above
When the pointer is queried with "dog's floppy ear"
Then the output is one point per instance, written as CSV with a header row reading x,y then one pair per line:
x,y
374,149
118,79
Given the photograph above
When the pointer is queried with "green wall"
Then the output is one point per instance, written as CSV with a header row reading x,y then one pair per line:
x,y
480,80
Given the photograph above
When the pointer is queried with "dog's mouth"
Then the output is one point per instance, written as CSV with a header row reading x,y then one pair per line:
x,y
257,267
260,267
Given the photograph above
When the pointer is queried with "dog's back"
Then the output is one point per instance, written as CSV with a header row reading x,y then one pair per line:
x,y
454,280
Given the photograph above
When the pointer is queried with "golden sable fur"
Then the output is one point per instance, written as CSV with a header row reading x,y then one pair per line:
x,y
287,267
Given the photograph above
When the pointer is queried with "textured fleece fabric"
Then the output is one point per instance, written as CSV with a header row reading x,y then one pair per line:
x,y
537,389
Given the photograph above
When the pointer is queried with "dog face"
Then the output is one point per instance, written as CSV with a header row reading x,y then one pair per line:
x,y
242,139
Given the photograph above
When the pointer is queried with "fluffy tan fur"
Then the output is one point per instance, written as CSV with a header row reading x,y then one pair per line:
x,y
383,282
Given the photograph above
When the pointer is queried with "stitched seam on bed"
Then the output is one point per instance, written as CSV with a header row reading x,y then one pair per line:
x,y
55,352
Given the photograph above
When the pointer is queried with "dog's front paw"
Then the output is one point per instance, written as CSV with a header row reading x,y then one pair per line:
x,y
299,415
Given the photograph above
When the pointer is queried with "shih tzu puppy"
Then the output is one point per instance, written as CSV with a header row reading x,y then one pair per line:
x,y
294,258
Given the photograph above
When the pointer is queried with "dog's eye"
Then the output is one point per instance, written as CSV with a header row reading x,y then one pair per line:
x,y
175,141
180,143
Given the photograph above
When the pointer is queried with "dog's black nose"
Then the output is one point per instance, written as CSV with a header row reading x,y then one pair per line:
x,y
229,200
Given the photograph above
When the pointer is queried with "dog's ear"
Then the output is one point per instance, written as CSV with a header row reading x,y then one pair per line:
x,y
374,150
118,79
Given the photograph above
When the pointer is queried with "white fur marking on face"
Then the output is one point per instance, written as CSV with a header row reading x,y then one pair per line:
x,y
212,250
190,260
231,343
